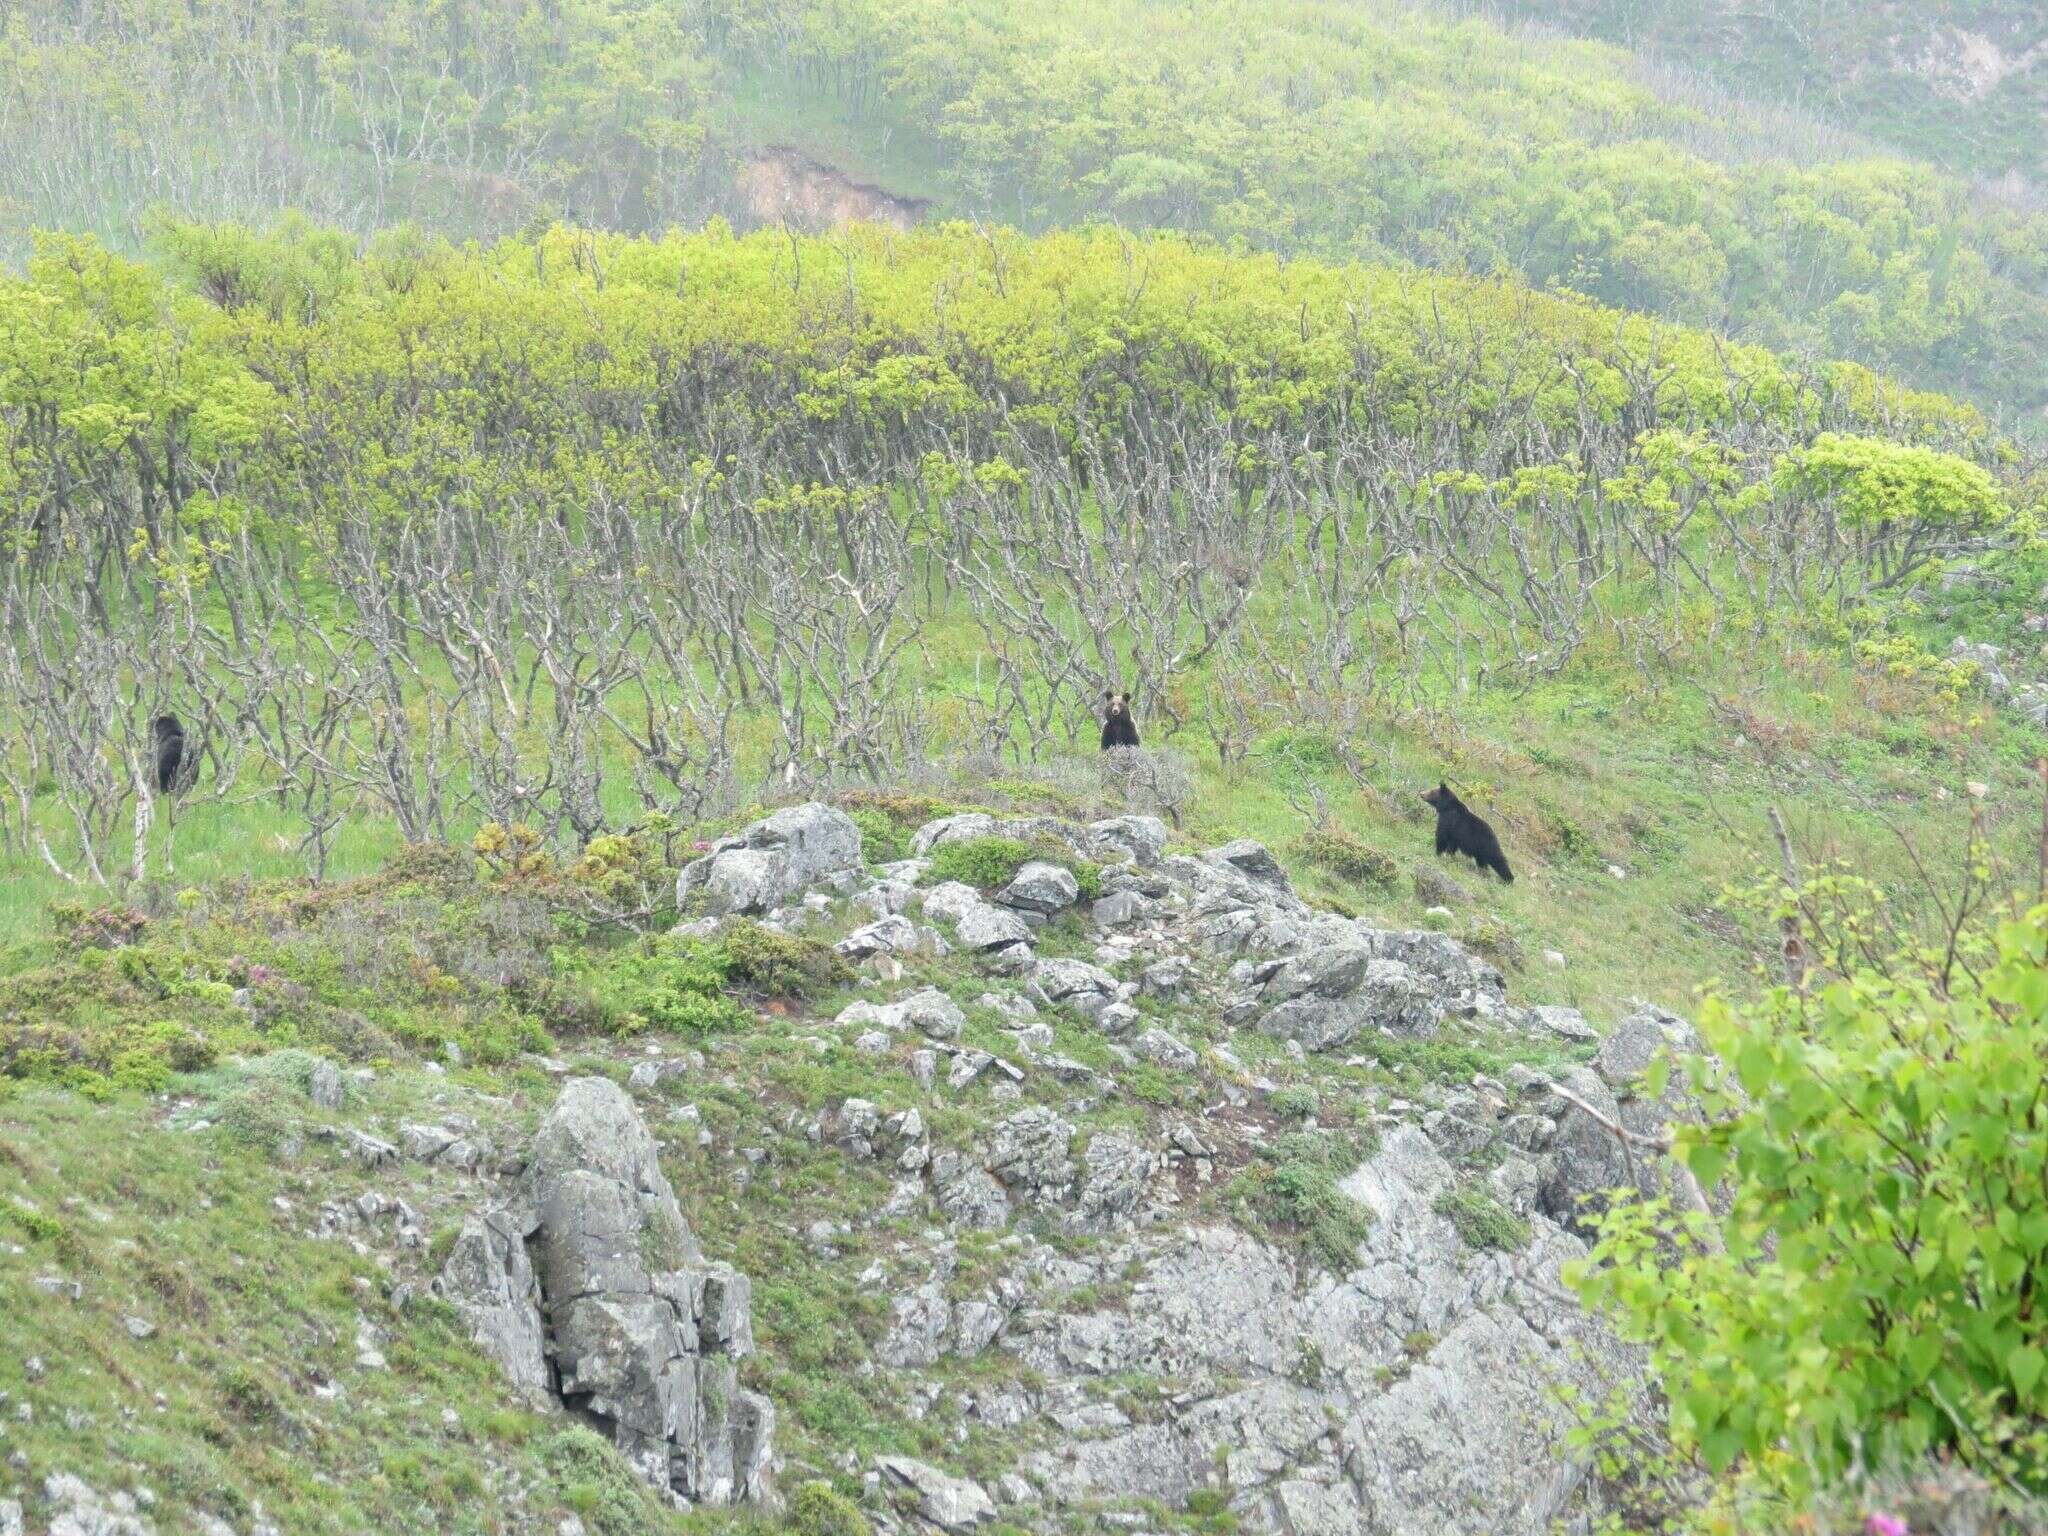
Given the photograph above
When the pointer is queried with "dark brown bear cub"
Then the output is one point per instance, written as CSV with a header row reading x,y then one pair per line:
x,y
1118,728
1459,831
167,746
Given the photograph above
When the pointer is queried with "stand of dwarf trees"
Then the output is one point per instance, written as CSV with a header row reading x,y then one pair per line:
x,y
566,529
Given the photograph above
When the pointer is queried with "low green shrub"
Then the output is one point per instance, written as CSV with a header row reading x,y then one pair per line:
x,y
1482,1221
1293,1190
260,1113
886,820
592,1478
1493,939
882,841
780,964
990,863
820,1510
1340,854
1299,1102
670,984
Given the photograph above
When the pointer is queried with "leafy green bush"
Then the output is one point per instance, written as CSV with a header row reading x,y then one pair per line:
x,y
683,986
780,964
670,984
990,863
1347,858
38,1224
1299,1102
887,818
1293,1189
819,1510
881,840
1087,877
1492,938
261,1113
593,1479
1481,1220
97,927
1873,1291
987,863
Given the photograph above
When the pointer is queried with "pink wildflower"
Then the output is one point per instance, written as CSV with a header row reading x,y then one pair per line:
x,y
1884,1525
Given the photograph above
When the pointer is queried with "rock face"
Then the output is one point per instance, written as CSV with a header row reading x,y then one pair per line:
x,y
950,1503
1333,988
1431,1403
773,861
1411,1387
1041,888
590,1287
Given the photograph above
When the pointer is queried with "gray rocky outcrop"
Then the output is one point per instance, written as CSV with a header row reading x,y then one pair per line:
x,y
589,1287
1041,889
1413,1385
773,861
937,1501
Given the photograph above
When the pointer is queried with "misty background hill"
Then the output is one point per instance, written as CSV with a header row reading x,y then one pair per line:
x,y
1846,180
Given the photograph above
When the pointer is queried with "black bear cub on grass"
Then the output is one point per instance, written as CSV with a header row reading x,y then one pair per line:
x,y
1118,728
1459,831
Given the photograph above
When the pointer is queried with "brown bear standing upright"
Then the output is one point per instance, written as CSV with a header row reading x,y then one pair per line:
x,y
1118,728
1459,831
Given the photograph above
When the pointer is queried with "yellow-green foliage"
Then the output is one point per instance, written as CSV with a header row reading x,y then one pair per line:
x,y
1383,130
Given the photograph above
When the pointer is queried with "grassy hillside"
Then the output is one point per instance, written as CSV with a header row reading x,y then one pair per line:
x,y
491,582
897,509
1388,131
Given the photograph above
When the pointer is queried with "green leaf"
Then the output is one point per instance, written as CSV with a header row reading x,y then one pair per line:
x,y
2024,1365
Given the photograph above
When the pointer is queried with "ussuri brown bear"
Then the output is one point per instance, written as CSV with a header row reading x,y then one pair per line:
x,y
1458,830
1118,728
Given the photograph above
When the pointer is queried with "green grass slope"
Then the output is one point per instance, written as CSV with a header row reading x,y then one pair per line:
x,y
1629,588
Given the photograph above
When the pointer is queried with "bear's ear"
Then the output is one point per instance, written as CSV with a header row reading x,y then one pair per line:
x,y
1442,788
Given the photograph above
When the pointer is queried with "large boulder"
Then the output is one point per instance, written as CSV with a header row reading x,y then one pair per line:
x,y
489,1281
1471,1441
1638,1040
1041,888
1251,859
1139,839
1587,1161
935,1500
590,1286
1074,984
1114,1173
1328,997
1028,1152
774,861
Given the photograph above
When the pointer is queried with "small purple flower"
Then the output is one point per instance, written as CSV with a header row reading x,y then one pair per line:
x,y
1884,1525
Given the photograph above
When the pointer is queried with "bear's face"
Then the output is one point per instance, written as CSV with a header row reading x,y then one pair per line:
x,y
1118,705
1439,798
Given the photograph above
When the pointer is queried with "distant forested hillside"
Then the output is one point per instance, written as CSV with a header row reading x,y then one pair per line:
x,y
1381,131
1961,82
